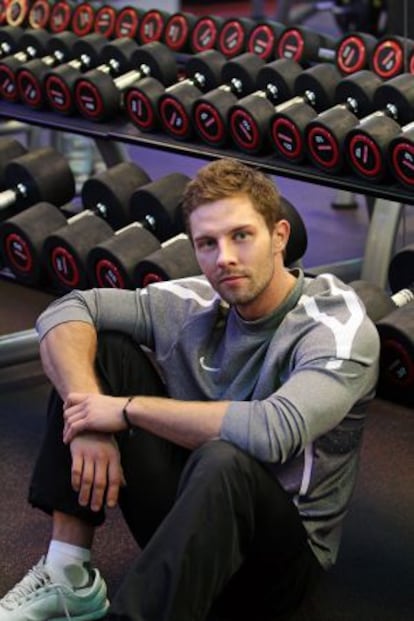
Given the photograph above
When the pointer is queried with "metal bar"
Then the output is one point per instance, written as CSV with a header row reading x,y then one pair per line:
x,y
18,347
380,242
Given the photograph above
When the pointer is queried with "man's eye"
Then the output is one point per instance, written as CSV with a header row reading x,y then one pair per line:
x,y
205,244
241,235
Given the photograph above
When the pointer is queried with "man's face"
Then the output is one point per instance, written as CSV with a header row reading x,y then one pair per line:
x,y
236,252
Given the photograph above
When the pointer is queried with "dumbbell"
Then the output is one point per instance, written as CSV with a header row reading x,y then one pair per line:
x,y
10,37
378,303
10,149
210,111
401,269
30,77
315,91
99,96
234,35
401,156
367,144
391,56
59,83
127,22
65,252
304,45
263,38
179,106
396,376
350,54
105,21
156,212
394,318
325,135
39,14
61,16
116,59
176,257
83,19
3,6
250,119
149,104
23,235
41,174
205,32
177,31
17,13
32,44
152,26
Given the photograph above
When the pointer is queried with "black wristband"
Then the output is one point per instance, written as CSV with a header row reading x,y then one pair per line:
x,y
129,425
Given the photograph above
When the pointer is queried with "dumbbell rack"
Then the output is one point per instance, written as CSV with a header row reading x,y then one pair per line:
x,y
111,137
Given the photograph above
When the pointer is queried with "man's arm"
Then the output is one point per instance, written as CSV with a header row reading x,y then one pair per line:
x,y
187,423
68,354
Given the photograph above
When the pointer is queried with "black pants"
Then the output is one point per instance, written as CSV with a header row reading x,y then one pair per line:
x,y
218,534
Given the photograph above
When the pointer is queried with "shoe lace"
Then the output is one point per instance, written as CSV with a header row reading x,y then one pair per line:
x,y
36,578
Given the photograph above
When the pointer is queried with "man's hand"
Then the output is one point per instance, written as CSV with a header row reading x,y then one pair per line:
x,y
96,470
92,412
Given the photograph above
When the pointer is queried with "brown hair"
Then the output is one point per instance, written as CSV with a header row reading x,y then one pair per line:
x,y
229,177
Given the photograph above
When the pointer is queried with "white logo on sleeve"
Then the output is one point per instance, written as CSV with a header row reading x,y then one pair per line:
x,y
344,332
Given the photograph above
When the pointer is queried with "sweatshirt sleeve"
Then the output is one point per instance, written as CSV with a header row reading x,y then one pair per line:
x,y
106,309
330,367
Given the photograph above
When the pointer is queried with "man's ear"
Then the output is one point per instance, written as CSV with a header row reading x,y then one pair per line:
x,y
281,234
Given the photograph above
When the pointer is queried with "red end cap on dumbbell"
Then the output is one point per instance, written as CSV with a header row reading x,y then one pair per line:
x,y
127,22
365,156
402,156
17,12
174,117
105,20
245,131
177,31
287,139
152,26
83,19
3,12
354,52
204,35
263,39
209,123
323,148
396,375
234,35
39,14
141,103
22,236
60,16
390,56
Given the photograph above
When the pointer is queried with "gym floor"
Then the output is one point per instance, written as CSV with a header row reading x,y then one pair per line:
x,y
372,580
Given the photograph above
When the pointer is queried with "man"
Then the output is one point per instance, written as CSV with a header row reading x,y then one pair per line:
x,y
231,448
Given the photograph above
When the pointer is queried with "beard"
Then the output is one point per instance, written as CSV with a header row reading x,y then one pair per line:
x,y
246,288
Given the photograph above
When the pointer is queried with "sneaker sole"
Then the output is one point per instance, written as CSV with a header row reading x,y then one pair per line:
x,y
90,616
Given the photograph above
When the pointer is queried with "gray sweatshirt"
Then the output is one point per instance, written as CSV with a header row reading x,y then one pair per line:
x,y
298,379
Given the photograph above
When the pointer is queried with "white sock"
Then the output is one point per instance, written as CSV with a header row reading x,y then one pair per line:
x,y
60,556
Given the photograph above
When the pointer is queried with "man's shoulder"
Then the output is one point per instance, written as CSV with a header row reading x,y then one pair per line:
x,y
194,288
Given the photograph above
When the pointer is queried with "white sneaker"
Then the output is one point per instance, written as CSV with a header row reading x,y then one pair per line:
x,y
37,598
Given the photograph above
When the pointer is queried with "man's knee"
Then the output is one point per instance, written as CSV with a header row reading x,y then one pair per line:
x,y
218,462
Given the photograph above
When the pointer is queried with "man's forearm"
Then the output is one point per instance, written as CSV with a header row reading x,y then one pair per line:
x,y
187,423
68,355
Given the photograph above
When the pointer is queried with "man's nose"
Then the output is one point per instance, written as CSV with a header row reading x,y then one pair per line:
x,y
225,253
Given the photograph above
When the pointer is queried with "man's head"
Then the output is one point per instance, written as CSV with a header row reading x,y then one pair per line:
x,y
239,234
226,178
